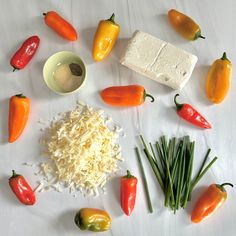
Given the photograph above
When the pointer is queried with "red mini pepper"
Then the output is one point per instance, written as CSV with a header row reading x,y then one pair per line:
x,y
25,53
22,189
214,196
188,113
128,189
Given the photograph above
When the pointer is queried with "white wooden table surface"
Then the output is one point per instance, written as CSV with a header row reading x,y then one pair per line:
x,y
54,212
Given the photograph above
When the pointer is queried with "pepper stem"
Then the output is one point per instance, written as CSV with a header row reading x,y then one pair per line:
x,y
202,37
224,57
178,105
44,14
128,176
198,35
148,95
224,184
112,18
14,173
20,95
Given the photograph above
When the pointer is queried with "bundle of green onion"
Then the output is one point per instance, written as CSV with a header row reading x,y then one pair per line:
x,y
172,164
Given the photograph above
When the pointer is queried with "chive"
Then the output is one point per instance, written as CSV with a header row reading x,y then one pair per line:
x,y
181,169
152,163
202,173
172,151
175,166
171,145
156,160
173,175
199,171
168,182
147,154
158,148
203,163
144,181
164,147
153,153
189,174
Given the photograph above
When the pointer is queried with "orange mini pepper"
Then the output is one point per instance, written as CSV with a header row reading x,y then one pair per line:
x,y
60,25
219,79
105,37
19,108
214,196
184,25
124,96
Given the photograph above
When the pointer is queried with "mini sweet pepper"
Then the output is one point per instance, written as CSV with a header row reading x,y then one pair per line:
x,y
93,219
219,79
105,37
184,25
214,196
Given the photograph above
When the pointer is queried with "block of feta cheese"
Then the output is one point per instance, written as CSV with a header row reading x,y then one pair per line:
x,y
158,60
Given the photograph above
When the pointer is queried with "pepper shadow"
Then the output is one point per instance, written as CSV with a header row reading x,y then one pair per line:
x,y
4,120
65,222
46,31
39,89
7,193
173,118
199,80
5,65
119,48
86,38
168,34
114,196
197,192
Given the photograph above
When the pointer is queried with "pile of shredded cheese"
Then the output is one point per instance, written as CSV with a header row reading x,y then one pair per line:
x,y
83,151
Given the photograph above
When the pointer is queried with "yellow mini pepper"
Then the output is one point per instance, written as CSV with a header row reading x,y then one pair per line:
x,y
105,38
219,79
184,25
93,219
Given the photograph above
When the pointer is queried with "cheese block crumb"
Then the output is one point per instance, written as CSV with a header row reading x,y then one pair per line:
x,y
159,60
83,151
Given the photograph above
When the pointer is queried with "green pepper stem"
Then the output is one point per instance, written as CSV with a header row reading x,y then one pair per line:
x,y
178,105
198,35
112,18
148,95
14,173
224,184
224,57
20,95
128,176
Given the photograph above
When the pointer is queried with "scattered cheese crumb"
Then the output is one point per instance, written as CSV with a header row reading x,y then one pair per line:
x,y
39,187
83,151
28,164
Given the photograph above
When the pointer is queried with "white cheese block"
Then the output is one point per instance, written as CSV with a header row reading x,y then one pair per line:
x,y
159,60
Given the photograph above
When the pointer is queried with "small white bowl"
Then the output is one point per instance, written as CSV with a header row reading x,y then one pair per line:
x,y
64,57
